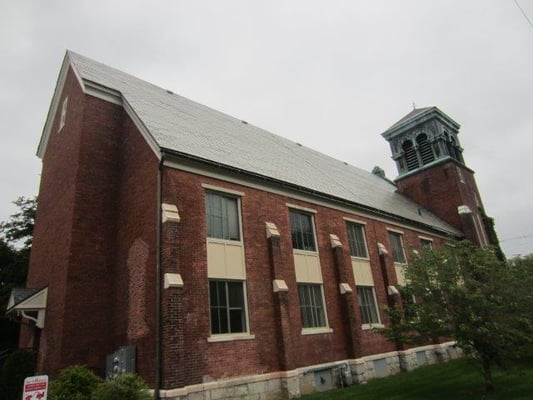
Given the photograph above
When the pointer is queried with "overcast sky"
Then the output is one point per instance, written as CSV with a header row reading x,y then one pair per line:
x,y
332,75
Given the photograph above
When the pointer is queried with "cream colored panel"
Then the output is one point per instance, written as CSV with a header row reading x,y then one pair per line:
x,y
225,260
300,267
362,272
400,274
235,261
307,267
216,260
313,268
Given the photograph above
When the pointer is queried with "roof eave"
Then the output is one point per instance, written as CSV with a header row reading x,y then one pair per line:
x,y
94,89
418,119
371,210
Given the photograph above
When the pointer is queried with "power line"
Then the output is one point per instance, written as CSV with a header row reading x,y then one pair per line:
x,y
516,238
524,14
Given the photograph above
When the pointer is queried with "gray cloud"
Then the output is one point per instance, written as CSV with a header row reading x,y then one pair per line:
x,y
330,75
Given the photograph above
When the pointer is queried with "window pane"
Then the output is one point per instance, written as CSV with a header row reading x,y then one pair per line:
x,y
219,310
311,306
222,216
227,308
302,233
426,244
237,321
236,295
232,219
356,240
396,242
367,305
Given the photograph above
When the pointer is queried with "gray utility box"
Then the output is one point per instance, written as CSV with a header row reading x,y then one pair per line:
x,y
122,360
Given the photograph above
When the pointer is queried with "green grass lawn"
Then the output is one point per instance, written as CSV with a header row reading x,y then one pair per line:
x,y
455,380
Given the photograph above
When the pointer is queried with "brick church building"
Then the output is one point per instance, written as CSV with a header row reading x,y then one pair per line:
x,y
224,260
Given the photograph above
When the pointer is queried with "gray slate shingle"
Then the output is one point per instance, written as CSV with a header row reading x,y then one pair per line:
x,y
182,125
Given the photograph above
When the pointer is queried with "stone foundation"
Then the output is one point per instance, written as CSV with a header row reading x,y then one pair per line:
x,y
321,377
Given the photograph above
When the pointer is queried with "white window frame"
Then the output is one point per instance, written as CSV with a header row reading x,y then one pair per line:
x,y
426,240
402,244
369,325
363,229
228,195
311,330
222,337
311,215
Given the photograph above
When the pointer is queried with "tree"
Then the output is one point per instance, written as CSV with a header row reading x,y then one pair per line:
x,y
466,293
19,228
76,382
17,367
15,245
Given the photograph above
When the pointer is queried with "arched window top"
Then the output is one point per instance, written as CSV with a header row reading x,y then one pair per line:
x,y
406,145
421,138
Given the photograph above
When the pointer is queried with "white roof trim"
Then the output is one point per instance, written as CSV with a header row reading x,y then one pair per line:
x,y
142,128
101,92
35,302
92,89
61,79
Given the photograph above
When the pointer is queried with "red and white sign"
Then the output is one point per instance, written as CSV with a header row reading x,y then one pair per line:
x,y
35,388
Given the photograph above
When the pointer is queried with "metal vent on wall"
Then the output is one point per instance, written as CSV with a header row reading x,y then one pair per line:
x,y
122,360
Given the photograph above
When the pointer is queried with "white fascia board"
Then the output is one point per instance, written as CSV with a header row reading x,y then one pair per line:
x,y
96,90
35,302
52,111
101,92
204,170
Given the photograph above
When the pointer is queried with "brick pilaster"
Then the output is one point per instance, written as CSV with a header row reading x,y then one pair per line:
x,y
281,300
349,312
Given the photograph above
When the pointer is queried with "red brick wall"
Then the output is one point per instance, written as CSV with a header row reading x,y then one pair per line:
x,y
135,250
440,190
95,237
52,237
204,360
95,247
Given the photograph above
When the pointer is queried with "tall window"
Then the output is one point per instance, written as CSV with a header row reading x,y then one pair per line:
x,y
302,231
227,307
356,239
426,244
222,216
396,241
311,305
367,304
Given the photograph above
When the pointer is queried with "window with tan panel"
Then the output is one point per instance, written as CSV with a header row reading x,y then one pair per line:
x,y
225,265
308,272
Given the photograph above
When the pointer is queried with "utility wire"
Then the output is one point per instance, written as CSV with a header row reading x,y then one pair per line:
x,y
516,238
524,14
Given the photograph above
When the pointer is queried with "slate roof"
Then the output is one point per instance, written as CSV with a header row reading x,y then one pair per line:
x,y
412,114
180,125
21,294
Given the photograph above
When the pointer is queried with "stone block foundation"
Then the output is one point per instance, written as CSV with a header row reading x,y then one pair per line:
x,y
321,377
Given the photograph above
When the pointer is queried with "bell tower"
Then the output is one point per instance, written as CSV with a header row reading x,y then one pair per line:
x,y
433,173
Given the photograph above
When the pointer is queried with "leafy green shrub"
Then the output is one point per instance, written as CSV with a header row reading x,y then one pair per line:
x,y
17,367
122,386
74,383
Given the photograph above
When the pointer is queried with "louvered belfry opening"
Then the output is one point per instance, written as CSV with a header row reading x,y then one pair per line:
x,y
411,158
424,147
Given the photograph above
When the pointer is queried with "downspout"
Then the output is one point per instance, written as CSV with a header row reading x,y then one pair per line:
x,y
158,363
